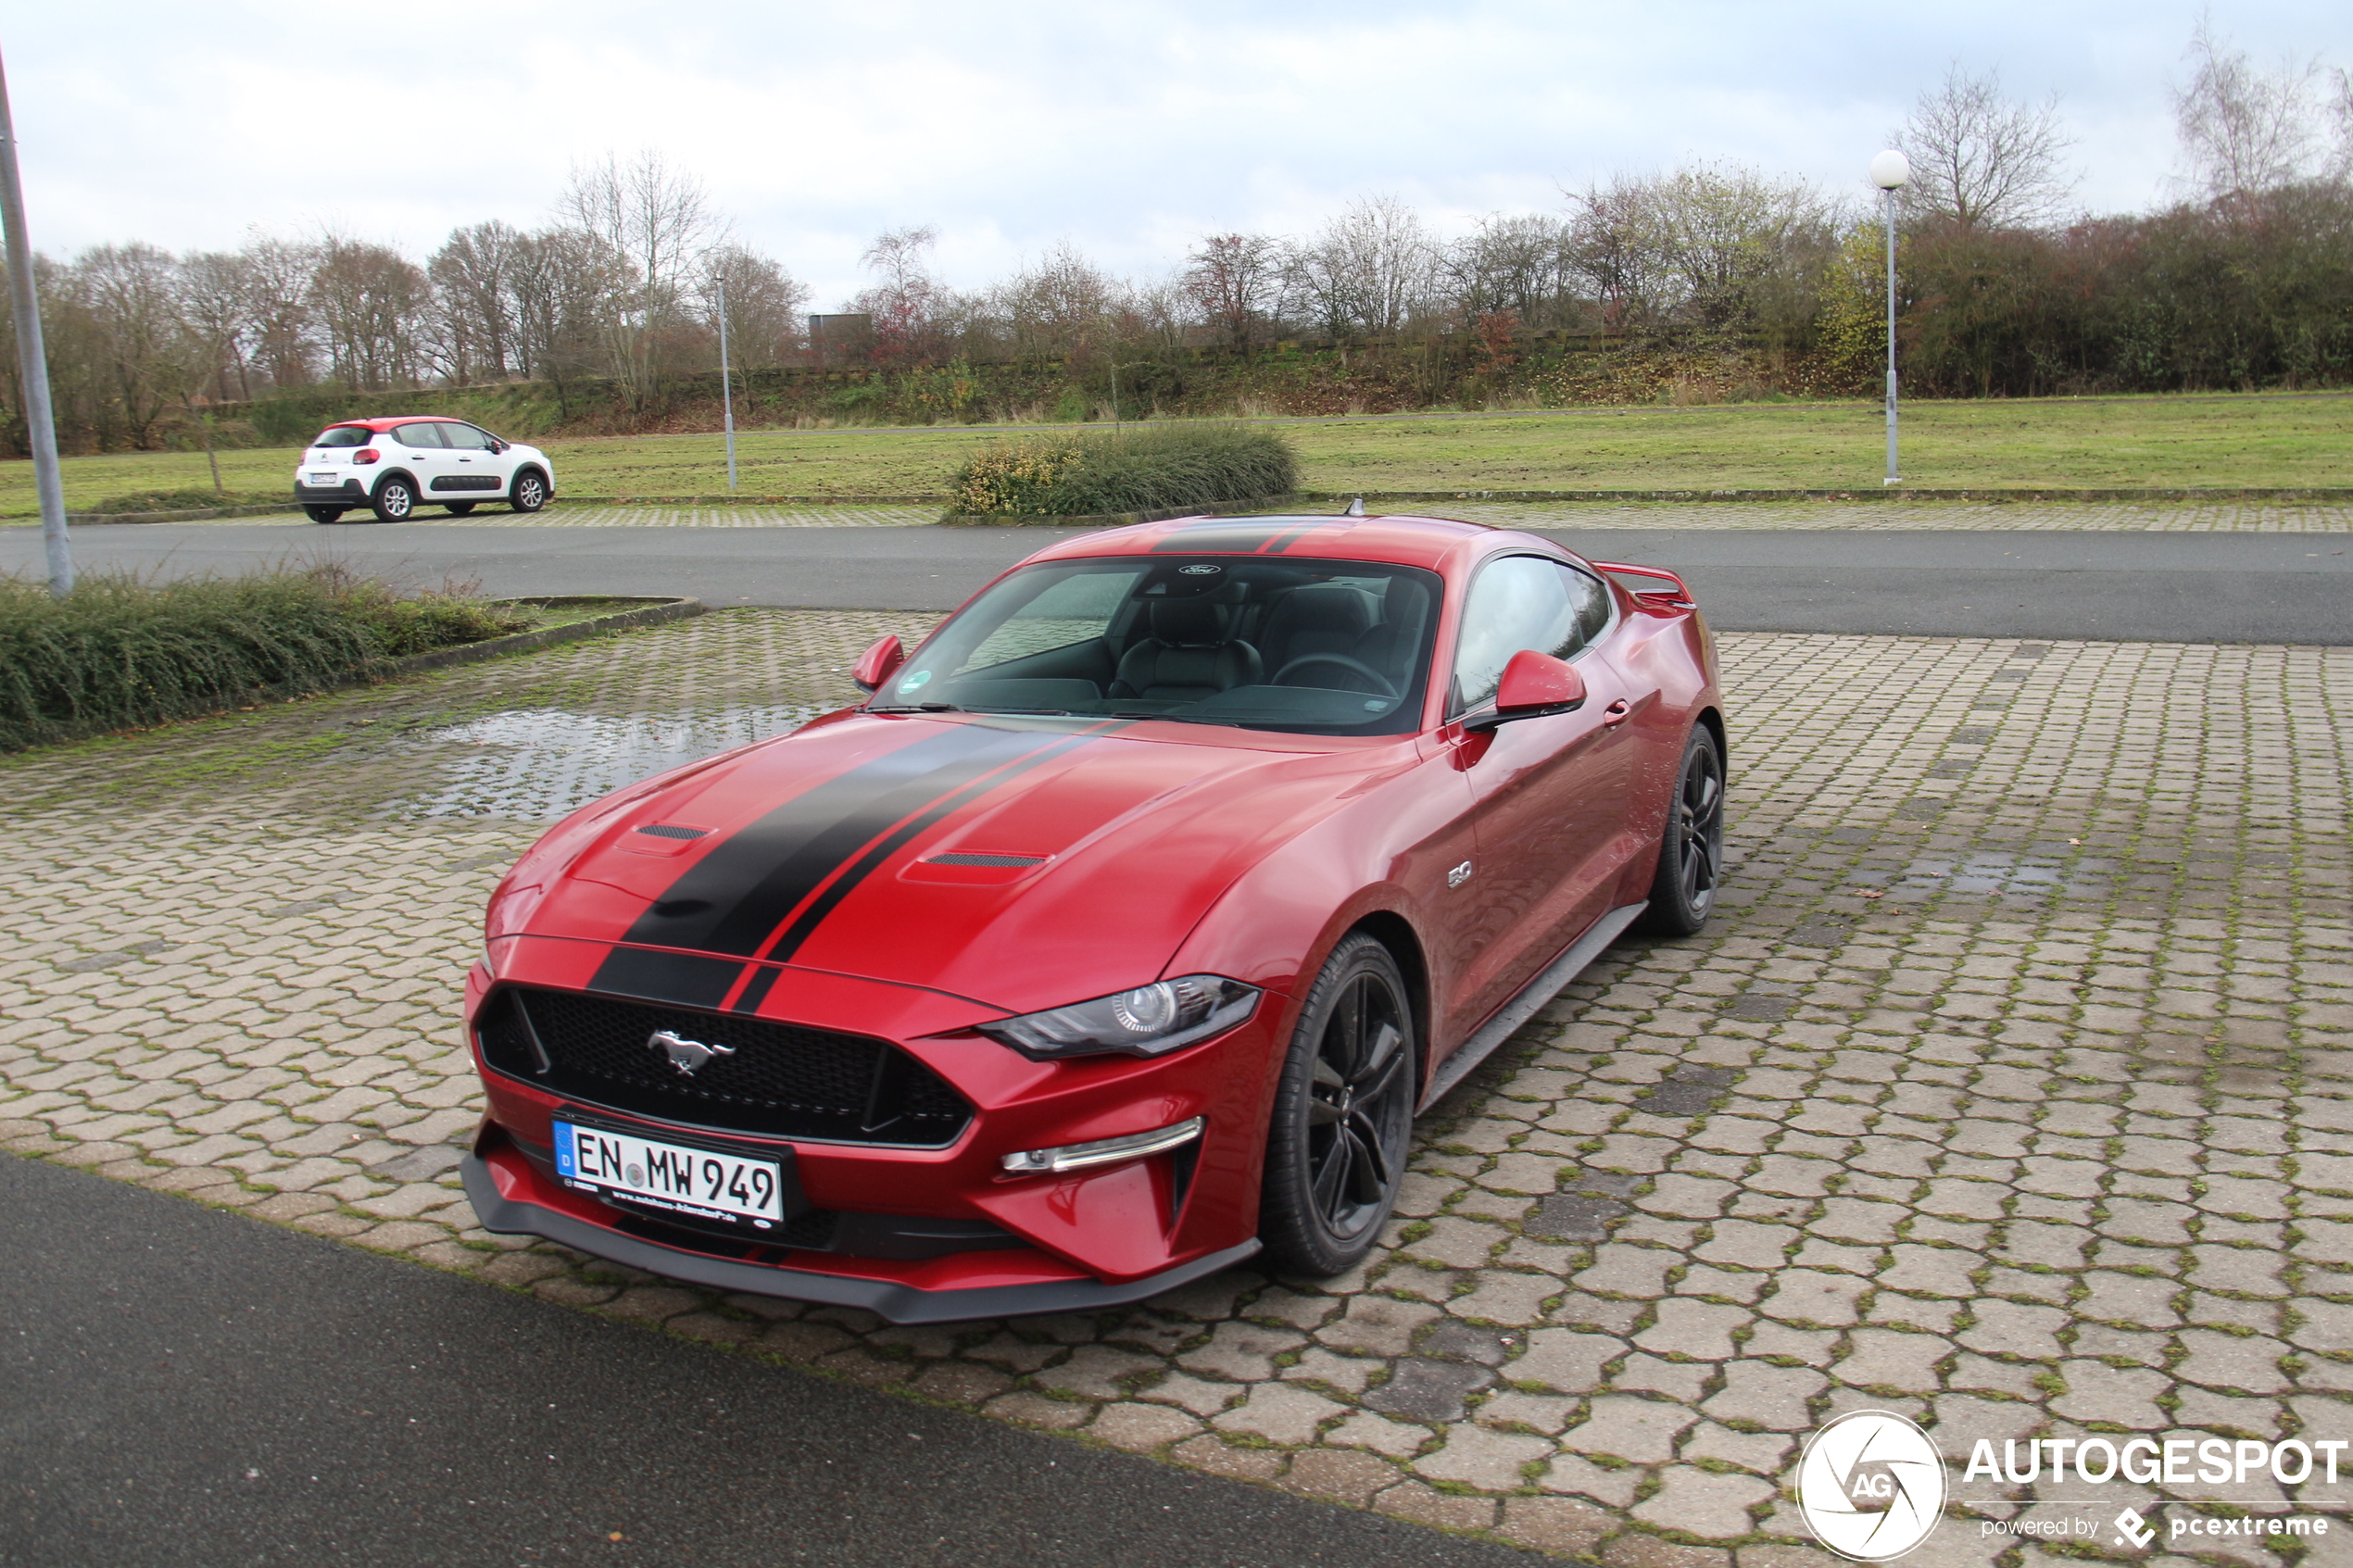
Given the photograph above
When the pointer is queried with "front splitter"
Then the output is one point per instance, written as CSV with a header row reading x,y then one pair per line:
x,y
887,1299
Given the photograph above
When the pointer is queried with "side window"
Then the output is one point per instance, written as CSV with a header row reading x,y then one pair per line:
x,y
1593,604
1517,602
465,438
424,438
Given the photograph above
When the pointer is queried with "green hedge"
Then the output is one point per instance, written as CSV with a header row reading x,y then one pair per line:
x,y
122,653
1148,468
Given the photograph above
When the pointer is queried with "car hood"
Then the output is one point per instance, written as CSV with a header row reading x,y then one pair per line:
x,y
1019,865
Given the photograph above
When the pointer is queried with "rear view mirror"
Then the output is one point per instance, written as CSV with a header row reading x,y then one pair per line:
x,y
877,664
1533,684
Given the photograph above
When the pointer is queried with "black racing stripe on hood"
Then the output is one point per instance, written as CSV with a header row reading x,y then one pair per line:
x,y
897,839
681,979
732,900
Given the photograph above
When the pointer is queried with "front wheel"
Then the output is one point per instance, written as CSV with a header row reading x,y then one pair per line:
x,y
1691,853
530,491
1343,1110
396,501
324,514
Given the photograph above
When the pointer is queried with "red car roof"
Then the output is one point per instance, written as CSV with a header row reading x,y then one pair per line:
x,y
1409,541
381,425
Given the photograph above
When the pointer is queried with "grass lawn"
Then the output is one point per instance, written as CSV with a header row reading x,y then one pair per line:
x,y
2257,441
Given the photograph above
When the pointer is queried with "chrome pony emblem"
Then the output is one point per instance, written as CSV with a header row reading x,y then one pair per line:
x,y
686,1056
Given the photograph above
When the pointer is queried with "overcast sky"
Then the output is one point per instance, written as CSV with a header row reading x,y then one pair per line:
x,y
1128,126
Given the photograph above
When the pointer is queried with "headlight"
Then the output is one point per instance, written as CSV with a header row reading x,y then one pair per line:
x,y
1149,1020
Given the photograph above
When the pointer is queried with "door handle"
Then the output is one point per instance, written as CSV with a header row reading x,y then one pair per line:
x,y
1618,712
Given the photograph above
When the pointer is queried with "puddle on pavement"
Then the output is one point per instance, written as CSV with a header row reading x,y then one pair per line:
x,y
541,763
2005,874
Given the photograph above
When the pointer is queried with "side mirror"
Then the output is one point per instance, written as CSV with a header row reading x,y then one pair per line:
x,y
1533,685
877,664
496,444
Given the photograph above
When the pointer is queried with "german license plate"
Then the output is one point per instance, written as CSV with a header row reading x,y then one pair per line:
x,y
318,478
699,1184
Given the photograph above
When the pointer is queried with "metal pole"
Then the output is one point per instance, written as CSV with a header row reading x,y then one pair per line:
x,y
1891,478
32,359
727,384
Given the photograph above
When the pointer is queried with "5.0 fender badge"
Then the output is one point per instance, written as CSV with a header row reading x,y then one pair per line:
x,y
685,1055
1459,876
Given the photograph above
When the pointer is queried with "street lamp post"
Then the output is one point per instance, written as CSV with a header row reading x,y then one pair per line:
x,y
32,361
727,384
1891,172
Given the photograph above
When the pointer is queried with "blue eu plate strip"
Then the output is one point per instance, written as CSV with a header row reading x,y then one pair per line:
x,y
567,1157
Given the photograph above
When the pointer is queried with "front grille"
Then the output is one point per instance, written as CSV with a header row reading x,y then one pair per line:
x,y
779,1080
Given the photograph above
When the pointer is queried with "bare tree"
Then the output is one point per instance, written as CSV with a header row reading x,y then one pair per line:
x,y
131,294
905,303
368,299
1983,160
765,304
1709,244
277,277
563,278
213,293
1236,281
1062,304
1368,272
2244,130
473,279
656,221
1523,265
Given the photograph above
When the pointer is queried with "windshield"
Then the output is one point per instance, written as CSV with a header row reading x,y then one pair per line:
x,y
1315,648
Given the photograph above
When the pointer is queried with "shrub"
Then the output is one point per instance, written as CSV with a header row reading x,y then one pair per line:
x,y
120,652
168,501
1151,467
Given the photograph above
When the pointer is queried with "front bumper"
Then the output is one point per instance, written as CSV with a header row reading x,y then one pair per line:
x,y
512,1198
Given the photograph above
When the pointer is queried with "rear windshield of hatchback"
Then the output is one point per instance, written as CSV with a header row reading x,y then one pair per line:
x,y
344,436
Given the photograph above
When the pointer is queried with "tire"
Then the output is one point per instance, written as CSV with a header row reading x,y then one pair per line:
x,y
529,491
396,500
1343,1111
459,509
324,514
1691,853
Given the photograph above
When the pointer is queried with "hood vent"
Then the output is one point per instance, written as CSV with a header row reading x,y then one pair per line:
x,y
671,830
962,858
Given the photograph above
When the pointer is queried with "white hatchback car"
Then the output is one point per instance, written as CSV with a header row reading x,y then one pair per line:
x,y
394,466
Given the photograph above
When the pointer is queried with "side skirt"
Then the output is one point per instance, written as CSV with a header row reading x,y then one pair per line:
x,y
1534,995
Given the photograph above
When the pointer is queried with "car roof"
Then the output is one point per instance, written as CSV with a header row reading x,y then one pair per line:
x,y
385,425
1427,542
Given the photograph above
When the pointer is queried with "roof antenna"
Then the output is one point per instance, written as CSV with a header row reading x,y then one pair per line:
x,y
1355,507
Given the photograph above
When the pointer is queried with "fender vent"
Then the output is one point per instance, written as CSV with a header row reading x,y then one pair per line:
x,y
961,858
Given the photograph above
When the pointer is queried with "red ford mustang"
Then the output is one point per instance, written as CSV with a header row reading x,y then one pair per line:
x,y
1116,938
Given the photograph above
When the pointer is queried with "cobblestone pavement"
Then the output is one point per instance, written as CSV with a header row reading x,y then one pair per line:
x,y
2012,1089
1870,516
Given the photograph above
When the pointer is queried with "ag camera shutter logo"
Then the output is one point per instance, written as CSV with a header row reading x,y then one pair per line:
x,y
1870,1485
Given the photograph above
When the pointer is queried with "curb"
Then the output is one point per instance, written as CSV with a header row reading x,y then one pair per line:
x,y
202,514
652,612
1107,519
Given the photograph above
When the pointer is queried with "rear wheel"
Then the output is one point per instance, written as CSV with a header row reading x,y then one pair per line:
x,y
530,491
459,509
396,501
1690,854
1343,1110
324,514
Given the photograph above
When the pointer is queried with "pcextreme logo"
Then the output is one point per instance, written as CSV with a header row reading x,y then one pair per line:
x,y
1870,1485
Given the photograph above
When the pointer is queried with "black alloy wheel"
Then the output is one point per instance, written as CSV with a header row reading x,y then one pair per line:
x,y
1690,854
529,492
396,500
459,509
1343,1111
324,514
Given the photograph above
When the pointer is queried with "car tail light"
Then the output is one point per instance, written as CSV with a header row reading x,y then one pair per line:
x,y
365,454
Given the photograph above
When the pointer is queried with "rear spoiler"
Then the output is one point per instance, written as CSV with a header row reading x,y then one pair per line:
x,y
1675,596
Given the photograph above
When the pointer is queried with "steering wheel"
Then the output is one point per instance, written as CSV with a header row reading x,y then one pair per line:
x,y
1357,667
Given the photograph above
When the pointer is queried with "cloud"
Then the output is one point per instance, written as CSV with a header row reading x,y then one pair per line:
x,y
1125,128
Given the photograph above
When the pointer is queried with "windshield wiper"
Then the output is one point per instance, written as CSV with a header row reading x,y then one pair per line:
x,y
1175,719
916,708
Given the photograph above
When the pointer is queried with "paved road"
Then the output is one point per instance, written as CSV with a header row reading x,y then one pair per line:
x,y
2162,587
180,1386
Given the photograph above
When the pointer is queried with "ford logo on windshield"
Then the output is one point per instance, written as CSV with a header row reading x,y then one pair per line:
x,y
1199,570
